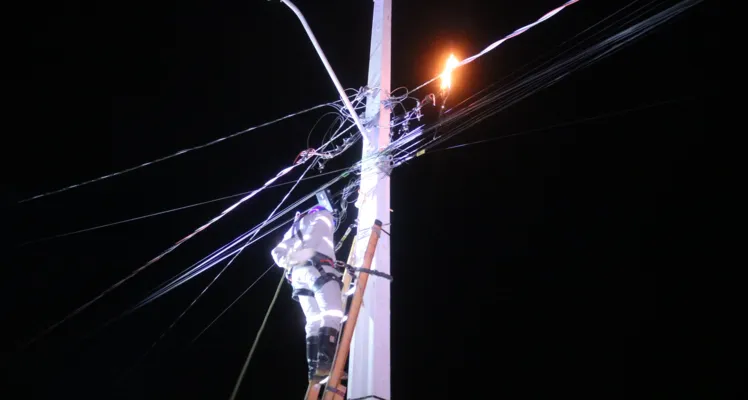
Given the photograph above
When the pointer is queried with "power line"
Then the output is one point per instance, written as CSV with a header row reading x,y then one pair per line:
x,y
209,261
171,210
232,303
545,78
257,339
254,192
186,275
557,55
215,278
568,123
496,44
242,295
164,253
204,226
178,153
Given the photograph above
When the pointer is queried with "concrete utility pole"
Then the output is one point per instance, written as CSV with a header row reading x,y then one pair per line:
x,y
369,368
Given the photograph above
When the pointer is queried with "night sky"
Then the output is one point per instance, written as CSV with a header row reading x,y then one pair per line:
x,y
558,262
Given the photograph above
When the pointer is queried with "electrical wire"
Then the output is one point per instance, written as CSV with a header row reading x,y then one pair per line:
x,y
211,260
178,153
244,293
171,210
203,265
496,44
162,254
566,124
536,86
309,135
182,278
257,339
215,278
305,155
577,121
531,89
184,151
505,97
167,251
540,57
232,304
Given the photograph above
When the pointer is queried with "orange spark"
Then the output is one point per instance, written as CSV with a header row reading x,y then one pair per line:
x,y
447,74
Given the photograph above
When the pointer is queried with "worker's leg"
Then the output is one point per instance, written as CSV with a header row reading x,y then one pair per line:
x,y
313,320
328,297
301,278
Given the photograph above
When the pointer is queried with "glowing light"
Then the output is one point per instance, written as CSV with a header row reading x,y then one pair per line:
x,y
447,74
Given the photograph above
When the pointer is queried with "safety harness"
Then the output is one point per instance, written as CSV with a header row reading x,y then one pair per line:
x,y
317,262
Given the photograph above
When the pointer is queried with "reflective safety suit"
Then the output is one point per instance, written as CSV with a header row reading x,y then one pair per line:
x,y
307,253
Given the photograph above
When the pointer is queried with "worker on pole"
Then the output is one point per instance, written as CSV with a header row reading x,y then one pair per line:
x,y
307,253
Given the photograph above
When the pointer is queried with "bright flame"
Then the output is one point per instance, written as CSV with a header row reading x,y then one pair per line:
x,y
447,74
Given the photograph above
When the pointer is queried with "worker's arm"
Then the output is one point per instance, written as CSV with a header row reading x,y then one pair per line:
x,y
282,250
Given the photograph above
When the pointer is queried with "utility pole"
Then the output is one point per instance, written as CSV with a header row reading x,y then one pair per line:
x,y
369,368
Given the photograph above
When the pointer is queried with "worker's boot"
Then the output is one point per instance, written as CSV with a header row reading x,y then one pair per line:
x,y
312,351
328,343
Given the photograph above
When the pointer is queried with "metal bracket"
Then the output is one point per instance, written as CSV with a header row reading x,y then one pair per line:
x,y
385,164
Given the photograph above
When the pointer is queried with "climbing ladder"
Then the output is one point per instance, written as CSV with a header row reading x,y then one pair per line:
x,y
334,389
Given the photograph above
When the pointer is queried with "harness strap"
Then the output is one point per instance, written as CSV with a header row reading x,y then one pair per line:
x,y
353,270
317,262
322,281
296,223
296,229
301,292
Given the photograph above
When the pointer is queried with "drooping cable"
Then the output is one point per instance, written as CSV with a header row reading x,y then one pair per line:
x,y
210,260
215,278
253,283
215,258
505,97
220,254
564,124
303,157
167,251
495,44
257,340
540,57
184,151
184,277
232,303
171,210
569,123
525,87
266,315
516,33
178,153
